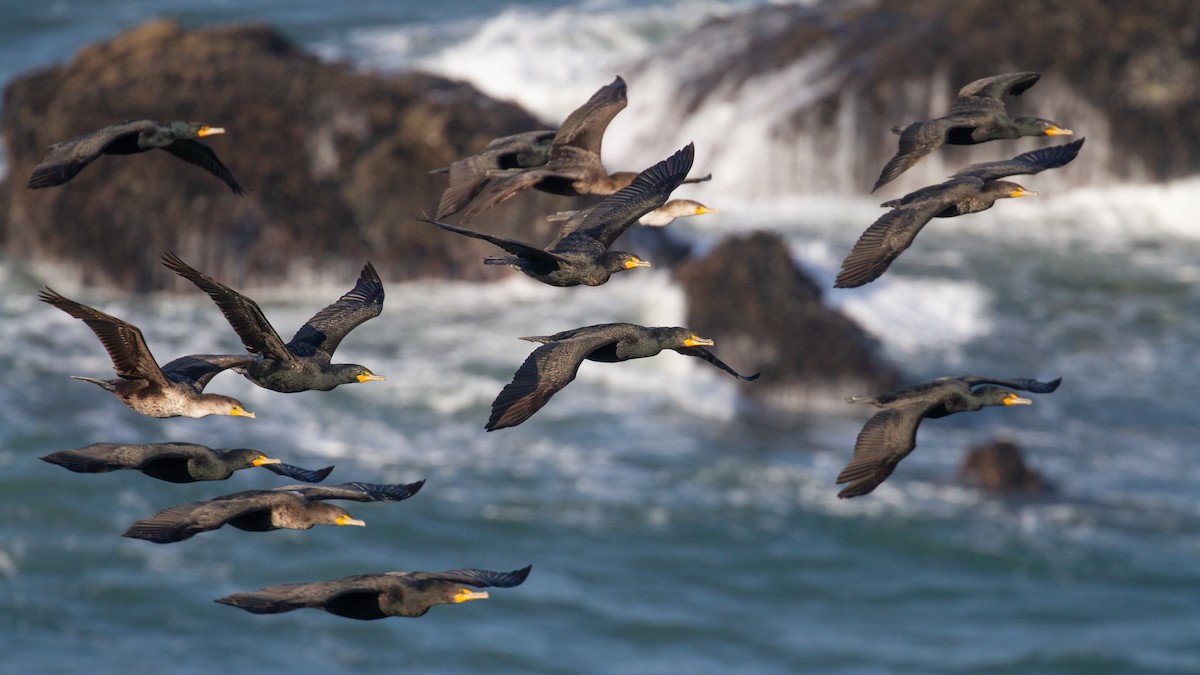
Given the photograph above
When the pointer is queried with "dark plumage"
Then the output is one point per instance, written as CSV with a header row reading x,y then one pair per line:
x,y
68,158
891,434
173,390
376,596
303,363
553,365
295,507
469,175
972,189
176,462
572,166
978,116
581,255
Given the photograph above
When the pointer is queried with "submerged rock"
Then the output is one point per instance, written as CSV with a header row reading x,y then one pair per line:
x,y
997,465
765,314
335,162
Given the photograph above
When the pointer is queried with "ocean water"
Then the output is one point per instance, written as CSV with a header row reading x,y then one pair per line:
x,y
672,527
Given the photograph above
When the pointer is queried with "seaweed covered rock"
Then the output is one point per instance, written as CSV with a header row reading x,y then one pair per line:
x,y
997,466
335,162
765,314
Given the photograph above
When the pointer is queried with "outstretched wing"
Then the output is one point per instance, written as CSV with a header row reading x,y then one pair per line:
x,y
702,353
242,313
547,370
474,577
203,156
1021,383
605,221
519,249
298,473
324,332
201,368
184,521
359,492
885,240
68,158
916,140
1034,161
126,347
999,86
888,437
584,127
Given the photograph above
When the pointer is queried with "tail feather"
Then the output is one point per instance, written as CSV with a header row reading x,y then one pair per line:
x,y
100,383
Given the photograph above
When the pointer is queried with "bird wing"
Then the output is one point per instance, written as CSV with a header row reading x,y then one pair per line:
x,y
702,353
606,220
105,457
199,369
548,369
203,156
469,175
471,577
298,473
467,180
505,185
287,597
888,437
513,246
131,358
583,330
359,492
1034,161
325,330
183,521
887,238
999,86
1023,384
67,158
916,140
242,313
584,127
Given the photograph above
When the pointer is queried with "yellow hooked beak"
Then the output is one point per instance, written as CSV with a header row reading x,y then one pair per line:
x,y
636,262
1013,399
467,594
209,131
238,411
367,377
263,459
1058,131
1022,192
347,520
697,341
701,210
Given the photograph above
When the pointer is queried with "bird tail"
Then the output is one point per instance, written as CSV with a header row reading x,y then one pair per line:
x,y
899,128
100,383
860,399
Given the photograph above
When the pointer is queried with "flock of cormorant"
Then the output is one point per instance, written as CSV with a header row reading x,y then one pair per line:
x,y
565,161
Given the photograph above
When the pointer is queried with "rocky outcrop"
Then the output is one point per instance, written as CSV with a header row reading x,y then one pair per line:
x,y
997,466
335,161
764,314
801,96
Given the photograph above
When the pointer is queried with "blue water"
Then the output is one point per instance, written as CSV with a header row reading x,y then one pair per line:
x,y
667,532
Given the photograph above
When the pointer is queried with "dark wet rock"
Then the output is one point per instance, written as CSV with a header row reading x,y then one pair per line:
x,y
335,162
997,466
831,79
765,314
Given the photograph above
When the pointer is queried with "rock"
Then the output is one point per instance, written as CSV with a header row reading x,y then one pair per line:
x,y
810,91
765,314
997,466
336,162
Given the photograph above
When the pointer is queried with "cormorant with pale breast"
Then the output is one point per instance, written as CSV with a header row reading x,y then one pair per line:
x,y
173,390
